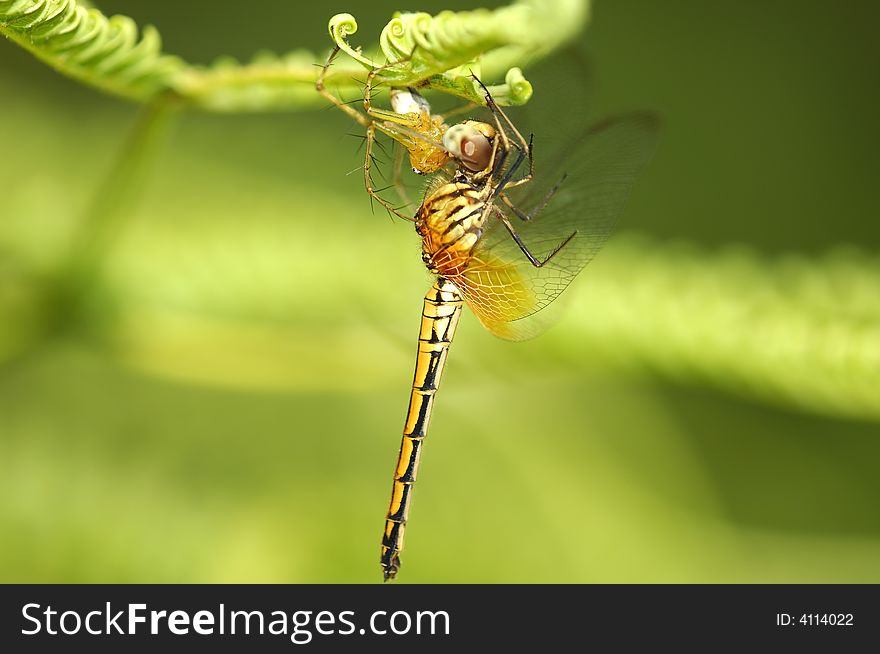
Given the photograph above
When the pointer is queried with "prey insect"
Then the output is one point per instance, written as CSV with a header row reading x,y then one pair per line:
x,y
409,122
502,237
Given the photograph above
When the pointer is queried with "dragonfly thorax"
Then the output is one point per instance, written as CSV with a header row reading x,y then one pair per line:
x,y
450,222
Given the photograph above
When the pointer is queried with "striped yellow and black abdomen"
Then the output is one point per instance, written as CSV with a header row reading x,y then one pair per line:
x,y
442,308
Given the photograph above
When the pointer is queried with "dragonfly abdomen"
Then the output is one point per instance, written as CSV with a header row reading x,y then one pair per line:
x,y
440,314
450,222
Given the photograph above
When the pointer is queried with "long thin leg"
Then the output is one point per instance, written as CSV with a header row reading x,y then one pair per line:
x,y
537,210
408,137
495,109
528,176
320,88
363,120
368,178
497,161
366,122
521,144
537,263
418,131
511,171
496,164
409,119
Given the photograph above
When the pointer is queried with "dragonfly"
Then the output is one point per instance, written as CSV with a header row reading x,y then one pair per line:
x,y
504,237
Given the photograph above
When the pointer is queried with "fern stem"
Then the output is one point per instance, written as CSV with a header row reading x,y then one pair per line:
x,y
105,217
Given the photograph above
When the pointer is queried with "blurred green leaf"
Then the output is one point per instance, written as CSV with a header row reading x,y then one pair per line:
x,y
227,402
88,46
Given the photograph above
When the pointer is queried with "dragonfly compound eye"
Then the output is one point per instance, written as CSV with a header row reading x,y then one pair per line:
x,y
469,146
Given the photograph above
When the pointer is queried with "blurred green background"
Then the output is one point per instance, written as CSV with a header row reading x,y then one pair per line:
x,y
224,402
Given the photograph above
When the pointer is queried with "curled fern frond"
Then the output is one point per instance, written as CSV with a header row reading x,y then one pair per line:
x,y
438,52
86,45
342,26
443,51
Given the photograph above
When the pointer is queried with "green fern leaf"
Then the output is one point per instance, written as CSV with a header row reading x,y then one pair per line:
x,y
439,52
268,82
84,44
443,52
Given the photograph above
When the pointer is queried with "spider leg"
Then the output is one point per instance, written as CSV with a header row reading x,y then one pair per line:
x,y
321,88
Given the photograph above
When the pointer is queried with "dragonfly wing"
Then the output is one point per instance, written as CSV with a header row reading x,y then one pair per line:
x,y
577,193
494,290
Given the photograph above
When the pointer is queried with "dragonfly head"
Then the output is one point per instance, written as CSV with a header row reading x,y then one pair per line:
x,y
471,143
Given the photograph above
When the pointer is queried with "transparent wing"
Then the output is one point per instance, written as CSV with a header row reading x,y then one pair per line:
x,y
579,191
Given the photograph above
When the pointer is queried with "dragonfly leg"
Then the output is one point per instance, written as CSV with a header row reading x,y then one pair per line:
x,y
521,144
537,210
537,263
511,171
528,176
321,88
496,164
